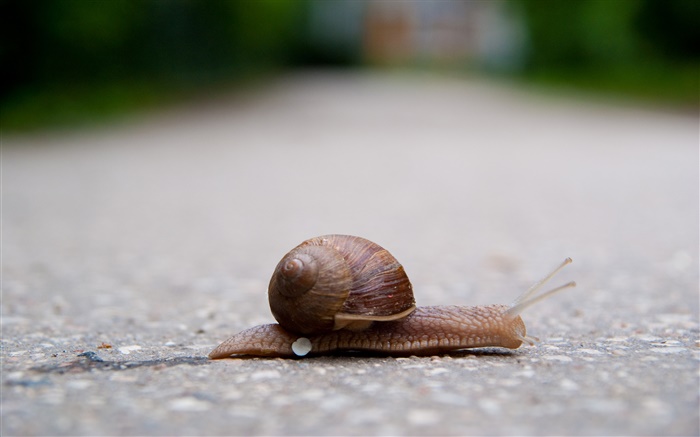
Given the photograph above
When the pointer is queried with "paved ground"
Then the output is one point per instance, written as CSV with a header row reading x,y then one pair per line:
x,y
145,244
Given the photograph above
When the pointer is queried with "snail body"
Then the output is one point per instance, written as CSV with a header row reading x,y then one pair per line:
x,y
393,326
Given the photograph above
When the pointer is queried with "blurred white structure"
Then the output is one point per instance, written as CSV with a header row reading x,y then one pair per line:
x,y
441,33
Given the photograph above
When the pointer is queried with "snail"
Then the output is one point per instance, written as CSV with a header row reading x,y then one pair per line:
x,y
345,293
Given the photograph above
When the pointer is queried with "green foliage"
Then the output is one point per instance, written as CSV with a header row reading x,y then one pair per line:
x,y
646,48
65,60
59,55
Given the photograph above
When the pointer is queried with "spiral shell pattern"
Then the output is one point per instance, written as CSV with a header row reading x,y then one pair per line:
x,y
334,281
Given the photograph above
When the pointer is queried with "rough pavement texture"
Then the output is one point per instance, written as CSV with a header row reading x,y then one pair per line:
x,y
145,244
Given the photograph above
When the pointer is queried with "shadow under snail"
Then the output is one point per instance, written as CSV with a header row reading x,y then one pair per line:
x,y
343,293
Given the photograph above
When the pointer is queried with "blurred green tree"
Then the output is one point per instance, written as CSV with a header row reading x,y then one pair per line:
x,y
639,47
58,54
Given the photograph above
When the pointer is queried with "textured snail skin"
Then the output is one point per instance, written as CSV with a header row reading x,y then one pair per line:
x,y
426,331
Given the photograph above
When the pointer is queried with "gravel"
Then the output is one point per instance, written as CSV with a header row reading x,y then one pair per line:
x,y
131,250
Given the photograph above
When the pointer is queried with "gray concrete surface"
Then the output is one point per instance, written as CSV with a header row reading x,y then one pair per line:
x,y
145,244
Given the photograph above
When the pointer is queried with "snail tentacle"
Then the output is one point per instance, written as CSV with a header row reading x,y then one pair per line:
x,y
526,300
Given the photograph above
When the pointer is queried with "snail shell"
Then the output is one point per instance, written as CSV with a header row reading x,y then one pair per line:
x,y
338,281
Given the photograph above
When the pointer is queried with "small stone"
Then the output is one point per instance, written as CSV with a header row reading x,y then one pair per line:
x,y
232,395
590,351
372,388
445,397
126,350
527,373
617,339
649,358
188,404
668,350
421,417
312,395
667,343
92,356
436,371
78,384
301,347
265,374
568,384
490,406
15,376
560,358
656,407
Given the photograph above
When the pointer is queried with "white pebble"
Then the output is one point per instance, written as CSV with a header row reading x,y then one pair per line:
x,y
311,395
265,374
444,397
232,395
667,343
15,376
126,350
617,339
509,382
78,384
668,350
560,358
188,404
527,373
301,347
436,371
656,407
590,351
567,384
422,417
490,406
413,366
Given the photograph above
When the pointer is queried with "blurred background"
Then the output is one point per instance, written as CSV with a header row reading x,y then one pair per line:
x,y
74,61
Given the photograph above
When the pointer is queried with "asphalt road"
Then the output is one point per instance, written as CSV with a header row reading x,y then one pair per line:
x,y
129,251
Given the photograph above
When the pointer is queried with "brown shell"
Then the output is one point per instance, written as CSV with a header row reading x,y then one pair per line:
x,y
338,281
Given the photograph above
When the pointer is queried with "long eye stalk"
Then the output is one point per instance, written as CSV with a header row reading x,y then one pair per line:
x,y
526,300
